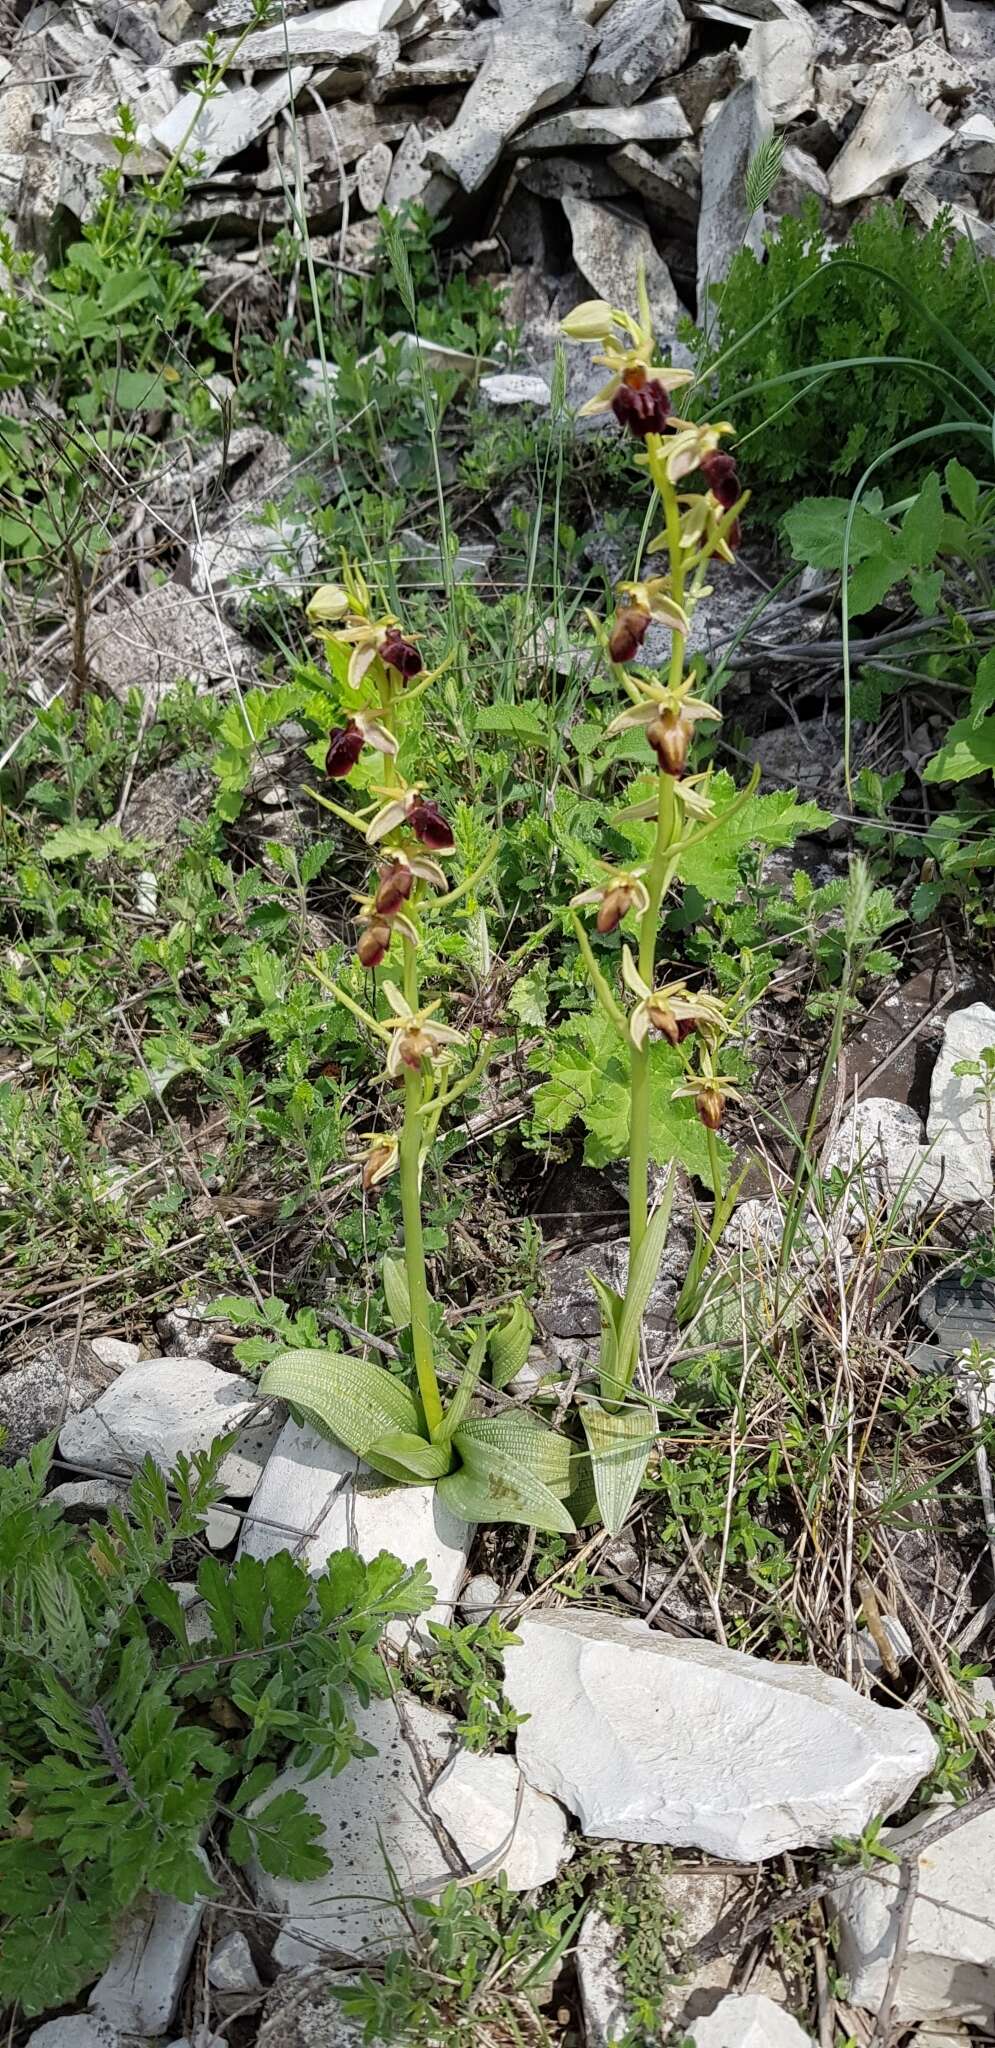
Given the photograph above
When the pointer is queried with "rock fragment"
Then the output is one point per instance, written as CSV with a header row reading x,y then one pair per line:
x,y
163,1407
780,56
669,185
140,1988
498,1822
894,132
316,1498
949,1959
658,120
152,640
608,250
515,388
958,1127
749,2022
519,78
231,1968
653,1739
208,132
641,41
75,2030
729,143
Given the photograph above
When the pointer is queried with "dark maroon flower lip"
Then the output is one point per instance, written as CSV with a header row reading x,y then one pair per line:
x,y
394,889
628,632
644,408
374,944
401,654
722,477
344,749
428,824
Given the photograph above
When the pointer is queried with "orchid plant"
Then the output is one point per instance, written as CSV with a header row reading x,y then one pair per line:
x,y
510,1466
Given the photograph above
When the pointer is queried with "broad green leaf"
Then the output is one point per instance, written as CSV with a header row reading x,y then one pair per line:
x,y
508,1344
94,841
872,579
925,586
962,488
544,1452
920,535
459,1406
643,1270
620,1444
410,1459
983,693
588,1070
815,530
124,288
528,722
495,1483
610,1306
968,749
347,1398
712,863
394,1274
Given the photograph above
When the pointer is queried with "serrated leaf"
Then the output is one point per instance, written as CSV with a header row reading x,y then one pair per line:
x,y
983,693
711,865
508,1344
528,722
96,842
496,1483
620,1443
411,1460
394,1275
589,1080
921,526
815,529
969,749
345,1397
963,489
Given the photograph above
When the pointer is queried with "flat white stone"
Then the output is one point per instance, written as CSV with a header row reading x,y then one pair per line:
x,y
140,1988
956,1127
226,124
372,173
114,1352
749,2022
162,1407
75,2030
647,1738
641,40
514,388
520,76
498,1822
950,1957
321,38
895,132
729,143
315,1498
231,1967
879,1150
373,1814
89,1493
659,120
608,251
599,1978
780,55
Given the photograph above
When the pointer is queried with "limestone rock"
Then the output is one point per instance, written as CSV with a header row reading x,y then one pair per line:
x,y
602,1987
894,132
140,1988
75,2030
950,1958
659,120
608,250
162,1407
669,184
879,1149
570,1314
512,388
956,1127
728,144
210,132
479,1597
302,2011
373,1811
149,641
653,1739
38,1396
231,1967
780,55
520,76
749,2022
115,1353
642,40
372,173
498,1822
316,1498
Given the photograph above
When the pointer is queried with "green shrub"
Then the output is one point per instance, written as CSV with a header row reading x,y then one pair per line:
x,y
826,429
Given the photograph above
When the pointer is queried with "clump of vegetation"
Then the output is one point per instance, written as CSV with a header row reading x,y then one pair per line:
x,y
833,357
122,1742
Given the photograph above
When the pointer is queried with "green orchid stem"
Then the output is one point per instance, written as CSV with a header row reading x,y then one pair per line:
x,y
409,1160
639,1087
613,1010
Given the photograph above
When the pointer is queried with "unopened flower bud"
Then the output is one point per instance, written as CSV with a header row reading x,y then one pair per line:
x,y
401,654
722,478
374,945
428,824
329,602
591,321
395,888
670,737
344,748
379,1162
709,1103
628,632
614,906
